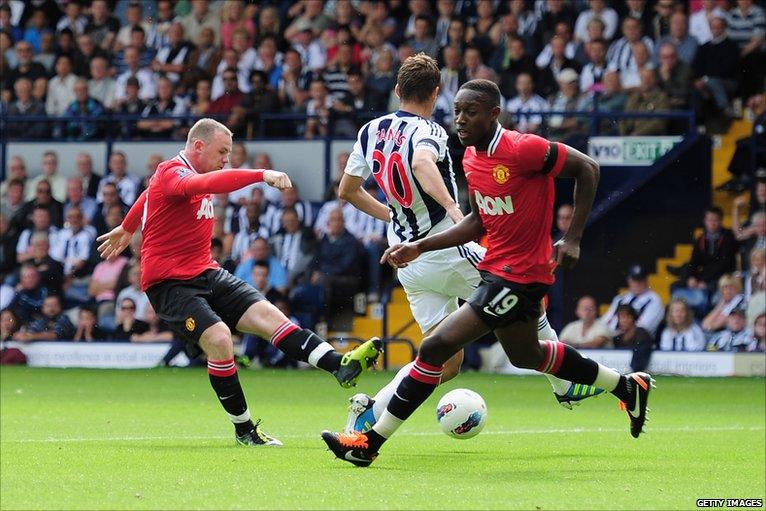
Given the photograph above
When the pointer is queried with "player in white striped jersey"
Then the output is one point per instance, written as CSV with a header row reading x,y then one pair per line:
x,y
408,157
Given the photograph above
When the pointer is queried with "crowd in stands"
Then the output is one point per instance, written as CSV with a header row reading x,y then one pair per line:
x,y
336,62
718,303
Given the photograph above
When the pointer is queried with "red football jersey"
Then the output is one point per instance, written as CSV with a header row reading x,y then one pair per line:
x,y
177,229
512,183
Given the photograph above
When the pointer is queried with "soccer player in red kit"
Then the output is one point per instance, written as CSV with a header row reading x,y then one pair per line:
x,y
198,299
510,184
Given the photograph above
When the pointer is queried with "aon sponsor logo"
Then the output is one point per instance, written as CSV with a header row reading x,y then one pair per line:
x,y
494,206
205,209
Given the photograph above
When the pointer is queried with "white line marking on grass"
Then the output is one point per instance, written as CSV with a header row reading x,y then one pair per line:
x,y
690,429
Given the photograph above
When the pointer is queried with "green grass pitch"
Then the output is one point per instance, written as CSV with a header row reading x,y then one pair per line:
x,y
157,439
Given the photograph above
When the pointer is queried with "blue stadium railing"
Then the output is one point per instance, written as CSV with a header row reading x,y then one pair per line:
x,y
112,127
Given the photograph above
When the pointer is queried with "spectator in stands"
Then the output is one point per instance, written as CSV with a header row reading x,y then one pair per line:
x,y
203,60
259,275
716,66
172,60
166,104
595,29
76,198
23,218
647,98
110,198
260,251
294,82
588,331
73,244
117,174
261,99
101,86
685,44
30,293
26,105
201,99
126,323
146,83
13,200
232,14
60,88
84,106
681,332
318,109
752,237
201,16
232,98
559,61
51,271
598,10
755,276
644,301
472,61
290,199
633,337
84,53
735,337
564,49
88,329
730,297
422,40
131,104
89,179
134,18
699,22
620,55
293,246
713,255
267,58
673,76
759,331
747,28
251,226
304,42
592,75
134,293
102,27
568,129
52,325
9,323
510,61
72,19
102,288
48,52
630,77
553,13
50,174
41,223
526,101
336,267
157,330
26,66
17,171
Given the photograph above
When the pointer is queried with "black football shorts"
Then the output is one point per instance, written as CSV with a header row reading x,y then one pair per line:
x,y
499,302
190,306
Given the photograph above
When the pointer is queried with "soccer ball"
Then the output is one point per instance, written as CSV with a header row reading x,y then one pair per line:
x,y
461,413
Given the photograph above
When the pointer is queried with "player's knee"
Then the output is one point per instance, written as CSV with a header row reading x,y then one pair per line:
x,y
217,339
527,359
434,350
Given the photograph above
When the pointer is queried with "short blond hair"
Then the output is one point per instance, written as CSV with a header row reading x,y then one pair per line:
x,y
729,280
204,129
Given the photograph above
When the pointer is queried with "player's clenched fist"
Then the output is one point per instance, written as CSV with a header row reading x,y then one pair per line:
x,y
276,179
566,253
400,254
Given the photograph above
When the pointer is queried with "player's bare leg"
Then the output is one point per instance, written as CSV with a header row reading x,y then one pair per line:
x,y
265,320
216,342
519,340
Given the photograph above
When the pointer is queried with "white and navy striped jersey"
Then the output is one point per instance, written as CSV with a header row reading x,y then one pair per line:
x,y
384,148
690,339
648,305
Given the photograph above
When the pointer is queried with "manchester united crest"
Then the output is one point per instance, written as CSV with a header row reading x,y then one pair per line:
x,y
190,324
501,174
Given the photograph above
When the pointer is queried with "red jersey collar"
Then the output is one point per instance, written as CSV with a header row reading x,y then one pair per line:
x,y
186,161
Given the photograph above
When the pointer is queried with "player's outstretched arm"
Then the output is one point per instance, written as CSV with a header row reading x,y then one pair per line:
x,y
468,229
427,173
585,172
352,191
224,181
